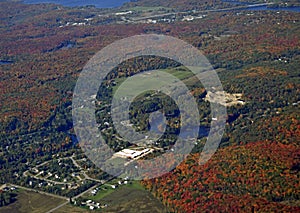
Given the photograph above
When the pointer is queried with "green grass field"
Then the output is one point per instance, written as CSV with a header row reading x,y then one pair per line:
x,y
179,73
132,198
148,80
147,9
71,209
128,198
32,202
104,191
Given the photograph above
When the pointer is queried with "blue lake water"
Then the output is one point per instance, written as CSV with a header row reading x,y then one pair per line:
x,y
259,8
117,3
236,2
73,3
3,62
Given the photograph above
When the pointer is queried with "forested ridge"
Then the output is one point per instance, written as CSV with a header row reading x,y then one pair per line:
x,y
255,53
258,177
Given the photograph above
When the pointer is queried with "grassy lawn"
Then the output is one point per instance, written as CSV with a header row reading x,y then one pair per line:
x,y
135,185
32,202
106,189
132,198
117,161
70,208
179,73
136,84
103,192
146,81
147,9
128,198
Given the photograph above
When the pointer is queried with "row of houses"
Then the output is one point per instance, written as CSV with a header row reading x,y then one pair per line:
x,y
6,188
92,205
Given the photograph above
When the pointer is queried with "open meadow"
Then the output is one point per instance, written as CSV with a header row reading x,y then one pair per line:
x,y
33,202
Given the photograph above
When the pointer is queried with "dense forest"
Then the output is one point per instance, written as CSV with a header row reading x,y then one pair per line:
x,y
261,176
255,53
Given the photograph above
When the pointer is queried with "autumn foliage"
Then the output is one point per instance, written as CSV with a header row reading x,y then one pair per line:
x,y
257,177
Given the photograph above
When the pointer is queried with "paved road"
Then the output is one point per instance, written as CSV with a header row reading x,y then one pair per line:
x,y
84,173
44,193
77,196
88,190
198,12
57,182
40,192
58,207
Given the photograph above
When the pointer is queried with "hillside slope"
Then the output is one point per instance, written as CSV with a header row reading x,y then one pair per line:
x,y
258,177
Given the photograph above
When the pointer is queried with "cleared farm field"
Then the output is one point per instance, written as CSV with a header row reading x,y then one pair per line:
x,y
32,202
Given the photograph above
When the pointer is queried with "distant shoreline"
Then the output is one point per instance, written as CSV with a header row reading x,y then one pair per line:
x,y
80,3
109,4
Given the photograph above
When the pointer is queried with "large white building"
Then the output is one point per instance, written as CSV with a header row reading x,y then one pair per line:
x,y
129,153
